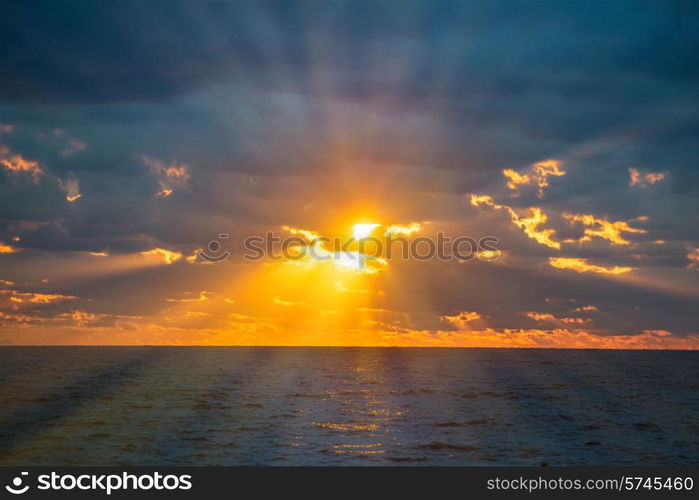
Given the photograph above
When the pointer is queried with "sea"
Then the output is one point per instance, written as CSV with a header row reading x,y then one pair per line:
x,y
274,406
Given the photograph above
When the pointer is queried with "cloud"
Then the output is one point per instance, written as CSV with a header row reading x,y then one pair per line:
x,y
643,180
693,258
515,179
529,224
4,248
286,303
202,296
540,316
16,164
168,176
35,297
321,252
170,257
398,230
74,145
98,254
596,227
582,266
538,176
557,338
462,319
71,187
536,316
310,236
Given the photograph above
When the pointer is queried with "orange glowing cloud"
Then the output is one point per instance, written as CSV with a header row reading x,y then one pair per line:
x,y
530,225
538,176
203,296
36,298
693,257
462,319
245,329
638,179
515,178
97,254
563,338
582,266
488,255
71,187
550,317
398,230
602,228
286,303
310,236
167,255
168,176
7,248
17,165
540,316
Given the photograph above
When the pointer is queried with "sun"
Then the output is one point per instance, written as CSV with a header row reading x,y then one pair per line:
x,y
362,231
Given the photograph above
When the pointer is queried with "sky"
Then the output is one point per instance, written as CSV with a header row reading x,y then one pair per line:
x,y
134,134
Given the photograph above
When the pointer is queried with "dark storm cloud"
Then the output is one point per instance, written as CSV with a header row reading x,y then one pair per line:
x,y
95,52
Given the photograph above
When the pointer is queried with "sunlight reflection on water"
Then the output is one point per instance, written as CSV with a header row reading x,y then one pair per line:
x,y
344,406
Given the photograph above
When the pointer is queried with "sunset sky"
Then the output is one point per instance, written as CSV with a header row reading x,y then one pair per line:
x,y
133,134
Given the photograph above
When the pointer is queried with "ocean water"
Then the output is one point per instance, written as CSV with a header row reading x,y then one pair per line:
x,y
346,406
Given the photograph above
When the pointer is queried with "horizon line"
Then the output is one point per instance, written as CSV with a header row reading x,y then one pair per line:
x,y
531,348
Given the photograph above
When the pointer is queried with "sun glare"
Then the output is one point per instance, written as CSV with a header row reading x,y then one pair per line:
x,y
362,231
356,261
